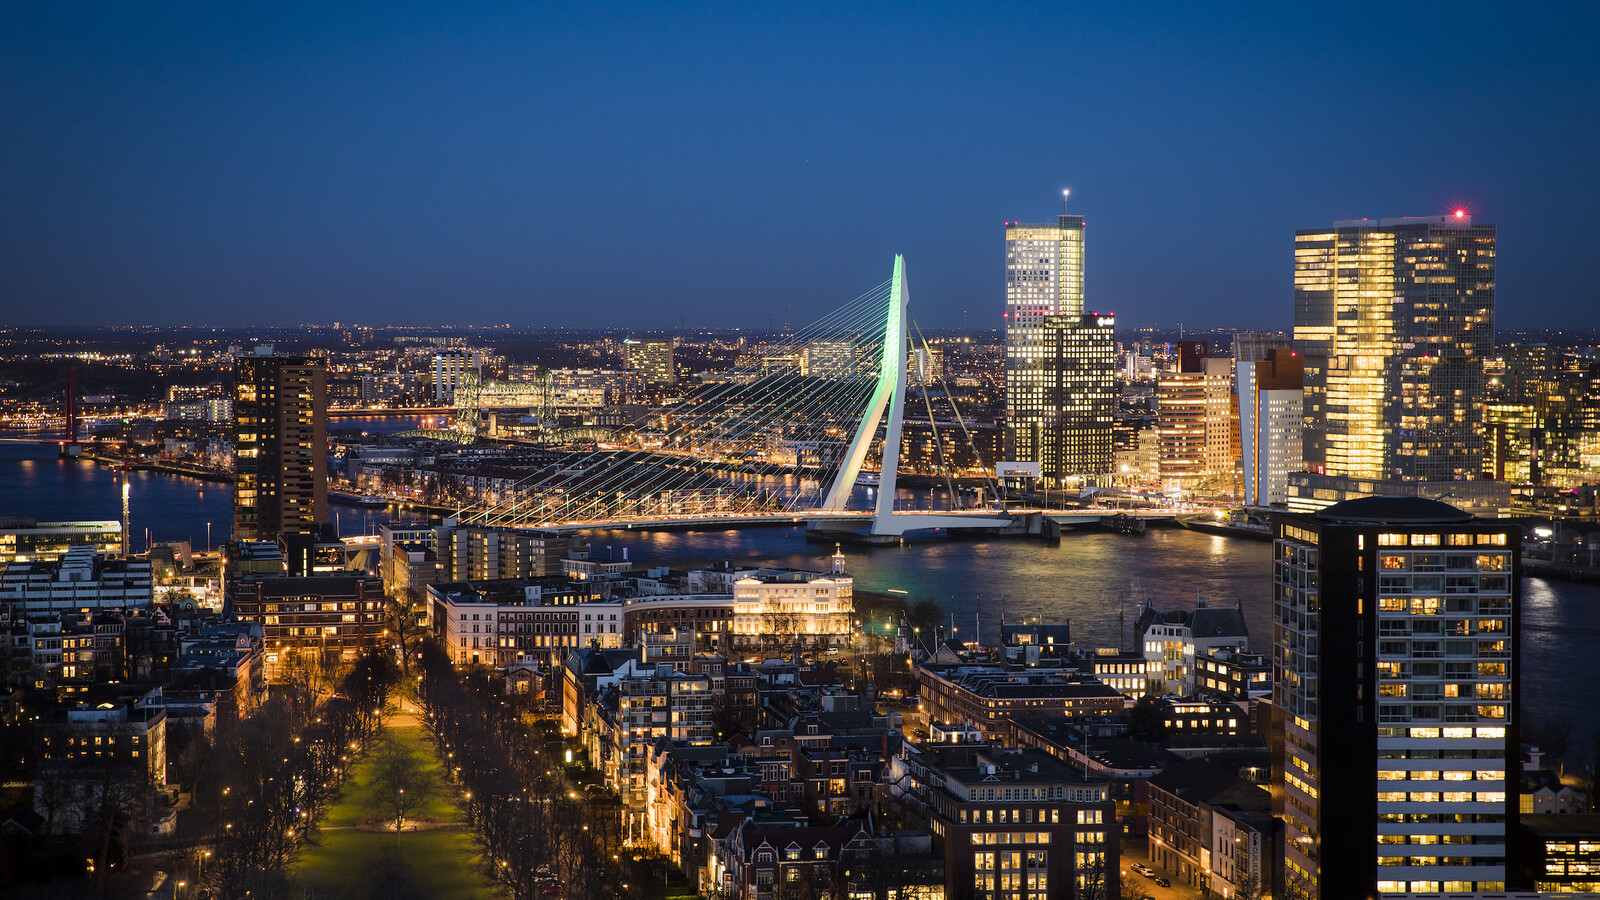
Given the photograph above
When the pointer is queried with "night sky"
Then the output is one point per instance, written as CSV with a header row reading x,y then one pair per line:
x,y
593,164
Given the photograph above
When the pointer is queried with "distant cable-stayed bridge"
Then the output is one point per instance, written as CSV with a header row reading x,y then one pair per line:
x,y
782,437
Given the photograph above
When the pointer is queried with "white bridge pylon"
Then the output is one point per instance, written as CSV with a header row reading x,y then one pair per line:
x,y
889,396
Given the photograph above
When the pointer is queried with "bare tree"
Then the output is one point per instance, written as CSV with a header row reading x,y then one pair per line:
x,y
402,782
1249,888
403,621
1132,890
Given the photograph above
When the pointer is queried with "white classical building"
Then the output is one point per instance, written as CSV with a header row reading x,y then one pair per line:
x,y
773,605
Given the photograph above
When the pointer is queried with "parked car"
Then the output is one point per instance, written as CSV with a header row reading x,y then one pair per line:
x,y
1163,882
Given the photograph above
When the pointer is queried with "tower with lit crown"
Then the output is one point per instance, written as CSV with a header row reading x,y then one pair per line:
x,y
1059,361
1402,312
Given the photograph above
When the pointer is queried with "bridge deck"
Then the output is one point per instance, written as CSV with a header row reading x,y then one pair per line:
x,y
849,518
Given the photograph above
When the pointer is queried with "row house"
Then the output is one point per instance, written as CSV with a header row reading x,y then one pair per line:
x,y
1174,640
837,781
708,616
67,653
507,621
758,862
633,707
1183,824
690,790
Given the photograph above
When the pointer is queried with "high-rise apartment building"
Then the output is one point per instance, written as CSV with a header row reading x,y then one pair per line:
x,y
1078,405
1195,419
651,359
1395,626
1403,312
1270,379
450,371
280,445
1044,278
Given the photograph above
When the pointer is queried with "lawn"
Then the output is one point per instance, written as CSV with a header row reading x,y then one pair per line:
x,y
345,862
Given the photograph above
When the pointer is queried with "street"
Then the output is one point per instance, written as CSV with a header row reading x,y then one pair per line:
x,y
1136,851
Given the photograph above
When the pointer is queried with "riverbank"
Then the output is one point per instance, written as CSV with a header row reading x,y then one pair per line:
x,y
1544,568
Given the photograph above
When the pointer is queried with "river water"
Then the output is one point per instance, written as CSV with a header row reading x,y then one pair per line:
x,y
1098,580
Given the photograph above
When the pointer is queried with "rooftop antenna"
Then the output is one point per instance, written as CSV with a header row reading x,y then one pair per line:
x,y
1064,193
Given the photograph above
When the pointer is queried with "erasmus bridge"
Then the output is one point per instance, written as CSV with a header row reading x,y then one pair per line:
x,y
783,437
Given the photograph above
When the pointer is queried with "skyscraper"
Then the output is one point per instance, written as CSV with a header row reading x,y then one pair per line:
x,y
1195,416
1403,311
450,371
280,445
652,359
1079,402
1395,625
1044,278
1270,379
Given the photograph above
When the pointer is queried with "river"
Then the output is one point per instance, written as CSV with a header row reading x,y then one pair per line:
x,y
1089,578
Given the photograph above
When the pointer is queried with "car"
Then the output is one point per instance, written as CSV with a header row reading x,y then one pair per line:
x,y
1144,870
1163,882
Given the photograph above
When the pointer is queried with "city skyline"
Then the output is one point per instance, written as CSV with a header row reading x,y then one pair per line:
x,y
288,165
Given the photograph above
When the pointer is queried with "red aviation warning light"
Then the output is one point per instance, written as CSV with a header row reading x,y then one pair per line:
x,y
1461,214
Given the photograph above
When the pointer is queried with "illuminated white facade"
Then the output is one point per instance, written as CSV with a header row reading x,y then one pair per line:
x,y
812,608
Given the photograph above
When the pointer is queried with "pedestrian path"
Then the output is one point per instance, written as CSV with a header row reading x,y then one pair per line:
x,y
355,856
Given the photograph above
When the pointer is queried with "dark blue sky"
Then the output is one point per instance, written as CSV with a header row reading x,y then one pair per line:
x,y
600,164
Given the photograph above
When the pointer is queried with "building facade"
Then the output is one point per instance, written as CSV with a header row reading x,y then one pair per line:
x,y
280,449
986,697
1175,639
794,607
1269,378
25,539
450,370
331,616
79,582
1195,421
1395,780
1019,824
1402,310
1044,278
508,621
1073,428
651,359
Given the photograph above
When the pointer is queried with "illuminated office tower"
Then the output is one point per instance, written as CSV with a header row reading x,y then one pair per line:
x,y
1044,278
280,446
652,359
1395,624
1403,311
1079,396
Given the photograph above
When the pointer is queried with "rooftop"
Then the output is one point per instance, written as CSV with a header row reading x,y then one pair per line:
x,y
1391,510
